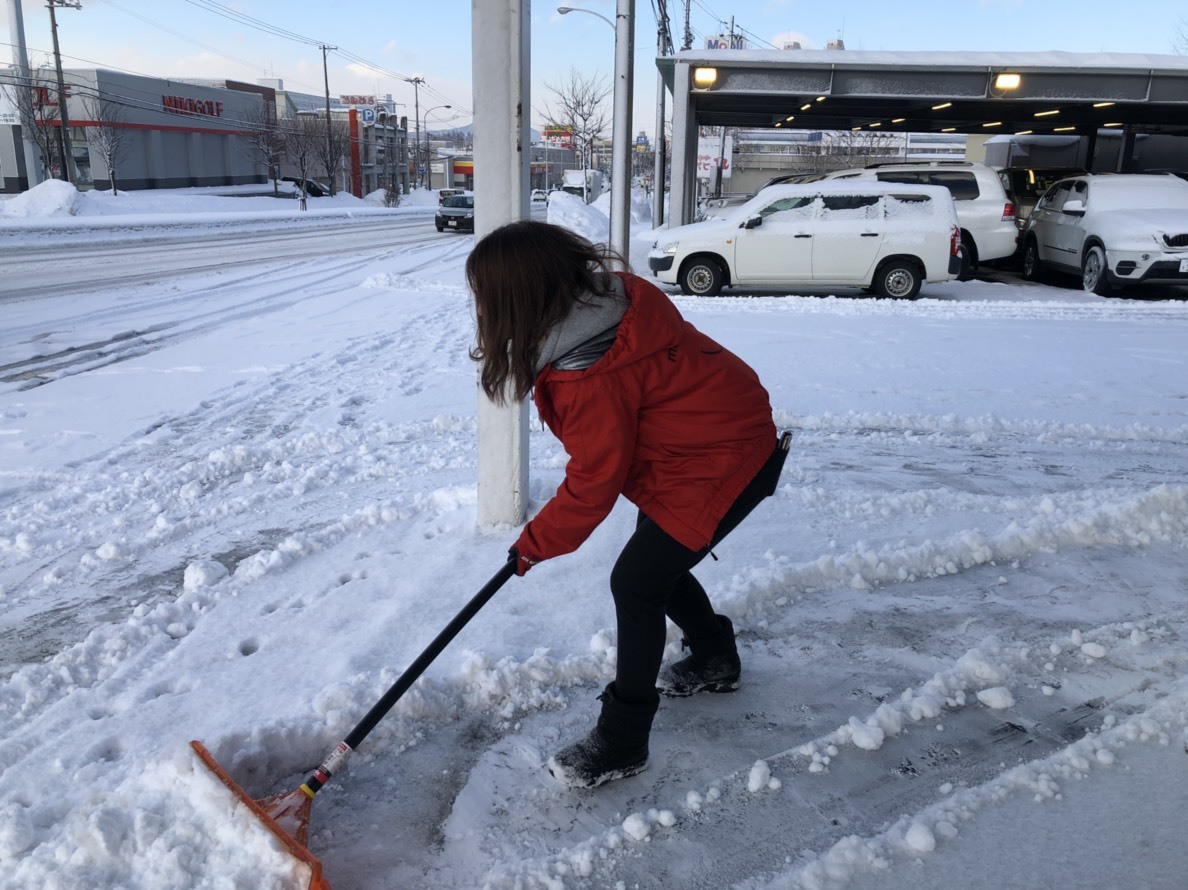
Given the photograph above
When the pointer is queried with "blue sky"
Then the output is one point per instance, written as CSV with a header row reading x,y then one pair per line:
x,y
381,42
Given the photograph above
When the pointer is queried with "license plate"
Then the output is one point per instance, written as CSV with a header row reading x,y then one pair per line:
x,y
1183,267
452,222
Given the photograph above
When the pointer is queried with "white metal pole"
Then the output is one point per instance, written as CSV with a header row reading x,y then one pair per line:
x,y
500,45
620,222
684,150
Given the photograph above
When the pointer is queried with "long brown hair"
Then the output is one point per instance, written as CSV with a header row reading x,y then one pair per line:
x,y
526,276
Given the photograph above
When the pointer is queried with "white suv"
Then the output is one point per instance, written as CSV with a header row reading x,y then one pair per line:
x,y
1114,230
884,238
986,213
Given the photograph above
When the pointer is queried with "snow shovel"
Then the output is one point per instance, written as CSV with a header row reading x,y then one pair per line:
x,y
287,815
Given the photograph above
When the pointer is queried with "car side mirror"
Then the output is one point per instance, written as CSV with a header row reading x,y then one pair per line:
x,y
1076,208
752,222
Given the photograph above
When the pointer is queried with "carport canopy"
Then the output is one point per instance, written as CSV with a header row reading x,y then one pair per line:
x,y
989,93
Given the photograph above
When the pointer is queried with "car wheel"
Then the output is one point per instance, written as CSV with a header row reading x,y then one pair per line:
x,y
1094,272
898,280
441,228
1031,261
965,251
702,277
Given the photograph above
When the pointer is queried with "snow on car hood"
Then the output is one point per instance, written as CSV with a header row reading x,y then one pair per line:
x,y
1140,223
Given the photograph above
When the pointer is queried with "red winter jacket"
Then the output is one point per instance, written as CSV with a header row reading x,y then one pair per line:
x,y
667,417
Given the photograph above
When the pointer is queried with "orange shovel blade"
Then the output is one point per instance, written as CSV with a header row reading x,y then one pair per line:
x,y
285,815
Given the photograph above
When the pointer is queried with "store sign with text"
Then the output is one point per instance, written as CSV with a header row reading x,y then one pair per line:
x,y
557,137
43,95
712,152
192,107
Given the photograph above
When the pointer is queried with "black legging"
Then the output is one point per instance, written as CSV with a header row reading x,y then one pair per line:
x,y
652,578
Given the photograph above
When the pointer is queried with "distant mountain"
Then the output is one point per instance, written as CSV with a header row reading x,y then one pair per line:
x,y
534,135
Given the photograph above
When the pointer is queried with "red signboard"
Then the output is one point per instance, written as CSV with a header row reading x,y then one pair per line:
x,y
43,96
557,137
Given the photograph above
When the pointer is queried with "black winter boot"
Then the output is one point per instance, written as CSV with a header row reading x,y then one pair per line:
x,y
615,748
712,666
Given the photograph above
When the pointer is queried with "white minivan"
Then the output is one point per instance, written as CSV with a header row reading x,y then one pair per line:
x,y
881,237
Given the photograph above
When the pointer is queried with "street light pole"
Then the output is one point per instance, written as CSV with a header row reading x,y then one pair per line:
x,y
428,170
663,48
620,227
624,27
566,10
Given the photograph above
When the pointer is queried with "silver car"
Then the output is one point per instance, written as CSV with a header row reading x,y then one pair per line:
x,y
1113,230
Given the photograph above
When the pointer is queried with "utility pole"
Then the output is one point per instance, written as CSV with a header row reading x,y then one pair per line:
x,y
663,48
20,56
416,82
329,128
64,118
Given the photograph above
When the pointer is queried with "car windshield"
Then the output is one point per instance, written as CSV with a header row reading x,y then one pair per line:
x,y
1139,196
789,209
459,201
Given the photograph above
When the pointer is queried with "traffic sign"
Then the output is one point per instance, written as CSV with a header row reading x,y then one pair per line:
x,y
367,115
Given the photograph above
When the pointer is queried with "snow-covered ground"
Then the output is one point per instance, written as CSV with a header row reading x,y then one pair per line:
x,y
233,507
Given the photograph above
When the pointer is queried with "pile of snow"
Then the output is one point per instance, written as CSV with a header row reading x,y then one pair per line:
x,y
572,212
49,199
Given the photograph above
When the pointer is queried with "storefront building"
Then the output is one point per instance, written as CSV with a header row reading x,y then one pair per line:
x,y
166,133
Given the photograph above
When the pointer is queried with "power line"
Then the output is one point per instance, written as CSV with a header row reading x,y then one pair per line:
x,y
755,36
182,36
259,24
233,15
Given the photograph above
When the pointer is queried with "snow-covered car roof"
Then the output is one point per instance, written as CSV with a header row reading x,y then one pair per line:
x,y
1136,191
836,187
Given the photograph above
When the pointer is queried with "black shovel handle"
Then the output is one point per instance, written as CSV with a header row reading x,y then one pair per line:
x,y
406,680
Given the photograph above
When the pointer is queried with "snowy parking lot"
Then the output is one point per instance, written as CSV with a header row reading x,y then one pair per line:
x,y
237,501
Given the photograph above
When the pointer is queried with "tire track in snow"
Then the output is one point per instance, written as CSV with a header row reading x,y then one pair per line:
x,y
302,438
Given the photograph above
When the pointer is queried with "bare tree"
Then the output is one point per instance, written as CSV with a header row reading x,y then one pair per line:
x,y
266,142
839,150
335,144
108,136
580,108
643,165
392,166
302,137
37,113
850,148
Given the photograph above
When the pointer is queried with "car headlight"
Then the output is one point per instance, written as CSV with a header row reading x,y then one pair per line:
x,y
667,247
